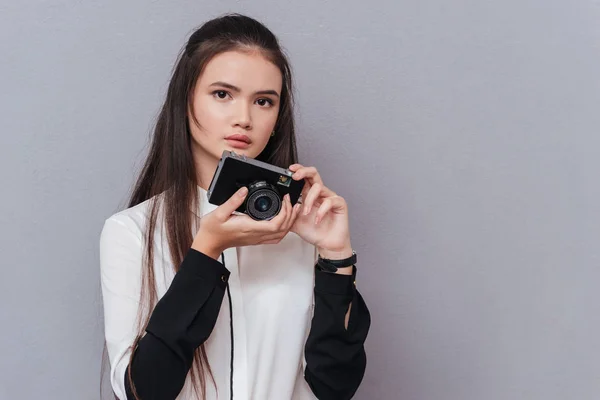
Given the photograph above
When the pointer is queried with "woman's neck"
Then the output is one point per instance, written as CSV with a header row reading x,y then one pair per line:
x,y
205,174
206,165
205,169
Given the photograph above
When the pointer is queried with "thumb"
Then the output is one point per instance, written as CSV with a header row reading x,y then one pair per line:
x,y
232,204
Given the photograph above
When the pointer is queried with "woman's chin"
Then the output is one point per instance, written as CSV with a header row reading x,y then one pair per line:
x,y
243,152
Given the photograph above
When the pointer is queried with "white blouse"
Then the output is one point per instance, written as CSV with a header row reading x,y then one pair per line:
x,y
271,290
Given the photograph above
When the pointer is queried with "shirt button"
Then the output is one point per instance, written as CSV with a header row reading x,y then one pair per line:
x,y
223,278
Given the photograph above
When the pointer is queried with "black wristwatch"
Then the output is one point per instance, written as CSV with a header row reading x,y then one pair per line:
x,y
328,265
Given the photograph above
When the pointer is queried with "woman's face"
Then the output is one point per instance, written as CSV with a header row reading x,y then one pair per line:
x,y
238,93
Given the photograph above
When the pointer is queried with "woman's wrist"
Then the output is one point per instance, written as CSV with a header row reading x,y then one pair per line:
x,y
204,245
338,254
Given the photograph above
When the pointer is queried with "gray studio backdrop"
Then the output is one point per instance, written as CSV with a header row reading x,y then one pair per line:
x,y
463,134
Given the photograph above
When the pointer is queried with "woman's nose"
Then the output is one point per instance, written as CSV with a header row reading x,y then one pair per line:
x,y
243,117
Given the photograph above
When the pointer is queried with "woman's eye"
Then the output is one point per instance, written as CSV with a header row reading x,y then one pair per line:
x,y
264,102
221,94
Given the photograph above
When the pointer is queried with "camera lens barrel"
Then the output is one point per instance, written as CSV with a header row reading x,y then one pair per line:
x,y
263,201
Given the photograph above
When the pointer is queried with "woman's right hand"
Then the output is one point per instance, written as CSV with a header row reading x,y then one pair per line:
x,y
220,229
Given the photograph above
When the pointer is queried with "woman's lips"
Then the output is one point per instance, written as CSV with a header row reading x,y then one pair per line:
x,y
239,136
238,144
238,141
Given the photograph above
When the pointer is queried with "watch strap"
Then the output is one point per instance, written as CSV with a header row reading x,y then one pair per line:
x,y
333,265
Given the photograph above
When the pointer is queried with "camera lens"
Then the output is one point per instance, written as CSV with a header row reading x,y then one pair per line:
x,y
263,203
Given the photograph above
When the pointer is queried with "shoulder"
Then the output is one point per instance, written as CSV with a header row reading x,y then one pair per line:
x,y
121,249
133,218
127,226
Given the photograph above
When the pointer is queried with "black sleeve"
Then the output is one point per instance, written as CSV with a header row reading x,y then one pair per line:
x,y
335,356
181,321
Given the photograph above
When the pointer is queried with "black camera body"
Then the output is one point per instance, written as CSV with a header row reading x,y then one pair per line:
x,y
266,183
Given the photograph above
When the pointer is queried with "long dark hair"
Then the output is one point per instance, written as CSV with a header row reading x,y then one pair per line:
x,y
169,168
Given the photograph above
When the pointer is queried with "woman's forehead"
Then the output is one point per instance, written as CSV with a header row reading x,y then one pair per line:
x,y
249,71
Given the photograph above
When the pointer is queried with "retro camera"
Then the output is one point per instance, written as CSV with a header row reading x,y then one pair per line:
x,y
266,183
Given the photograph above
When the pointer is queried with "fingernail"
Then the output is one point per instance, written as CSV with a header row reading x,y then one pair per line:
x,y
242,192
317,221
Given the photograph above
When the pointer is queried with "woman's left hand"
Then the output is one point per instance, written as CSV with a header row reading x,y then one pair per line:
x,y
323,220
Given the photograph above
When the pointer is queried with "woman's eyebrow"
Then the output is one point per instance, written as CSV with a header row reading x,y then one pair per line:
x,y
237,89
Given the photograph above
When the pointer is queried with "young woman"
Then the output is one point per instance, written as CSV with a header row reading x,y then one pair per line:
x,y
294,324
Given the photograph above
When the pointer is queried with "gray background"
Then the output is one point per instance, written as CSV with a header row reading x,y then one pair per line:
x,y
463,134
